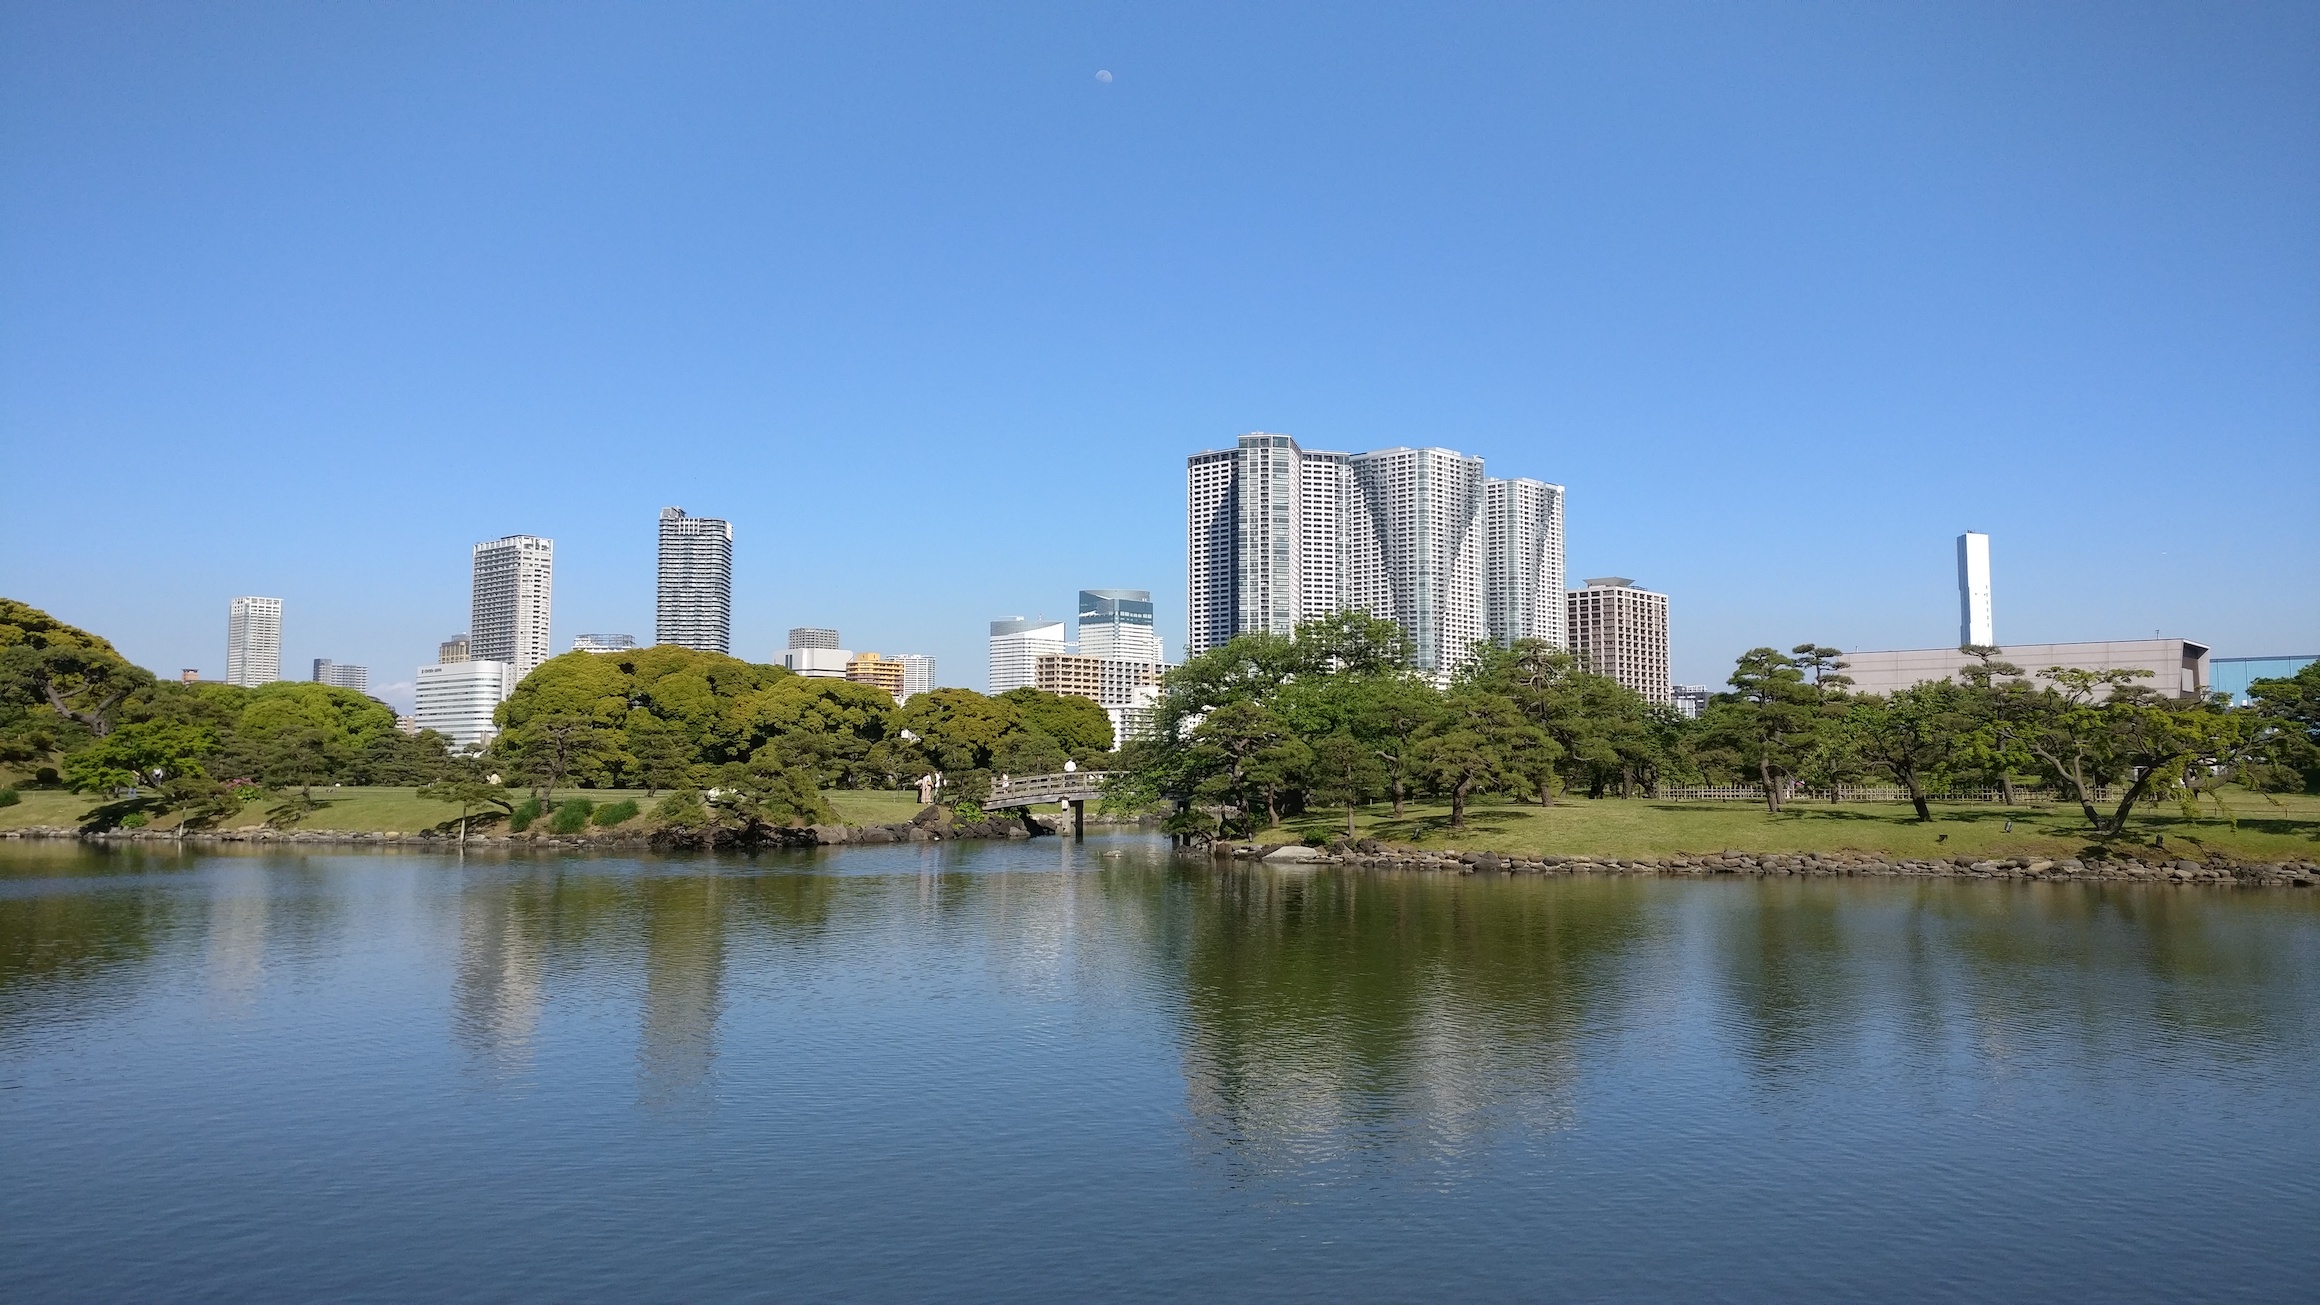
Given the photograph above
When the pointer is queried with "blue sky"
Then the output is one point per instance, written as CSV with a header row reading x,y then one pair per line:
x,y
302,300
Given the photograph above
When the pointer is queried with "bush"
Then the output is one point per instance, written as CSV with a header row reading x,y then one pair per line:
x,y
572,816
134,820
682,809
46,777
524,814
8,797
614,813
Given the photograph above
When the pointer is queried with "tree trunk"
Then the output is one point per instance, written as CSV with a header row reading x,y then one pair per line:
x,y
1397,795
2006,785
1350,831
2135,792
1771,791
1458,803
1917,798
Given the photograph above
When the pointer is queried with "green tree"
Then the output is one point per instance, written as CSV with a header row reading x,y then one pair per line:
x,y
1346,772
2290,706
2100,727
1916,736
1768,722
1476,745
769,791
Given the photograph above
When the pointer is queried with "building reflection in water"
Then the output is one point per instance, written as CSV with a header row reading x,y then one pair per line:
x,y
684,941
1336,1019
497,990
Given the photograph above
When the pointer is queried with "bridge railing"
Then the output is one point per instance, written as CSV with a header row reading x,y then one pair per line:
x,y
1024,790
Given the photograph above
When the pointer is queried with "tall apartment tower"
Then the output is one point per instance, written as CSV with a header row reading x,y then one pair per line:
x,y
1974,623
696,582
1267,536
1417,544
812,636
253,641
1522,567
454,649
1621,632
508,620
1016,647
1116,624
342,675
917,674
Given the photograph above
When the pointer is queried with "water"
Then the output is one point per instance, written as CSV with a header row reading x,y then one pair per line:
x,y
1044,1071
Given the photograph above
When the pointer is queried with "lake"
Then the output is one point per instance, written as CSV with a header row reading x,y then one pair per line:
x,y
1055,1071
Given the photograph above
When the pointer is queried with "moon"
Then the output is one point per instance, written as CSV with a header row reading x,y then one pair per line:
x,y
1104,75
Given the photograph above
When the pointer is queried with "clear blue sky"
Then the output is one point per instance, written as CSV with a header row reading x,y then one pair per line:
x,y
302,300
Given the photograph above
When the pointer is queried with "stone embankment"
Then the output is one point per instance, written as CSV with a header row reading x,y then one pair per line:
x,y
2118,868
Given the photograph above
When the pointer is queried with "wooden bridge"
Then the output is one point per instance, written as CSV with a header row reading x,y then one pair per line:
x,y
1073,788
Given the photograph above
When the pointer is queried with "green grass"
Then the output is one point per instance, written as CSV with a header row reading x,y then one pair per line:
x,y
2269,828
377,810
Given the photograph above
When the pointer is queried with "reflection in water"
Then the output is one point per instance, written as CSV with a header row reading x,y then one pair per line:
x,y
497,990
1332,1017
240,909
684,934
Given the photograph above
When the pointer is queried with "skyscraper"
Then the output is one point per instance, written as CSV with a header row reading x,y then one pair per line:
x,y
812,636
1016,647
1277,534
514,582
1522,568
1267,538
253,641
696,582
1974,623
917,674
1117,624
342,675
1621,632
1417,543
454,649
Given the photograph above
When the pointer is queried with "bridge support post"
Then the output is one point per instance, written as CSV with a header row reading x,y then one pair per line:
x,y
1079,818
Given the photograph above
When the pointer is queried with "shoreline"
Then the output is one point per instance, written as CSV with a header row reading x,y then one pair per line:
x,y
2122,868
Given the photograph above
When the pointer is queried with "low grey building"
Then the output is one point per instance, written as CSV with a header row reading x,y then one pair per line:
x,y
2178,667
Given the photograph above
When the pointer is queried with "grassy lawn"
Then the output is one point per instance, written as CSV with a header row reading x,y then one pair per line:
x,y
2273,827
376,810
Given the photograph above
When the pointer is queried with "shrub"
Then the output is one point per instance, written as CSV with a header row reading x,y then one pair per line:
x,y
46,777
134,820
524,814
572,816
682,809
614,813
8,797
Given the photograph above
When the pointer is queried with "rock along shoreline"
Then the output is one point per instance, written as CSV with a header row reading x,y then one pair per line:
x,y
2123,867
2117,868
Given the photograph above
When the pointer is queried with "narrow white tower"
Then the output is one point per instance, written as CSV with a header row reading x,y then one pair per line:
x,y
1974,626
253,641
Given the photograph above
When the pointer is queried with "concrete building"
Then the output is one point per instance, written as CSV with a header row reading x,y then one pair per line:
x,y
342,675
1127,689
2178,667
514,584
1277,534
456,699
696,582
1416,546
253,641
811,636
605,643
2233,675
1691,699
1621,632
1975,623
818,663
190,675
454,649
880,672
917,674
1267,538
1017,645
1117,623
1522,564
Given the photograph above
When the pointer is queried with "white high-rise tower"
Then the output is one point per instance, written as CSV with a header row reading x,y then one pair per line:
x,y
1974,623
1417,544
508,620
1523,562
253,641
696,582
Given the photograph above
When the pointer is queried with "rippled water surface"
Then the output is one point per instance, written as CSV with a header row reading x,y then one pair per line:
x,y
1045,1071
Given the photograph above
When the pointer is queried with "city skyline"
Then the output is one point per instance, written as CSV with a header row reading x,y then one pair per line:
x,y
1867,269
